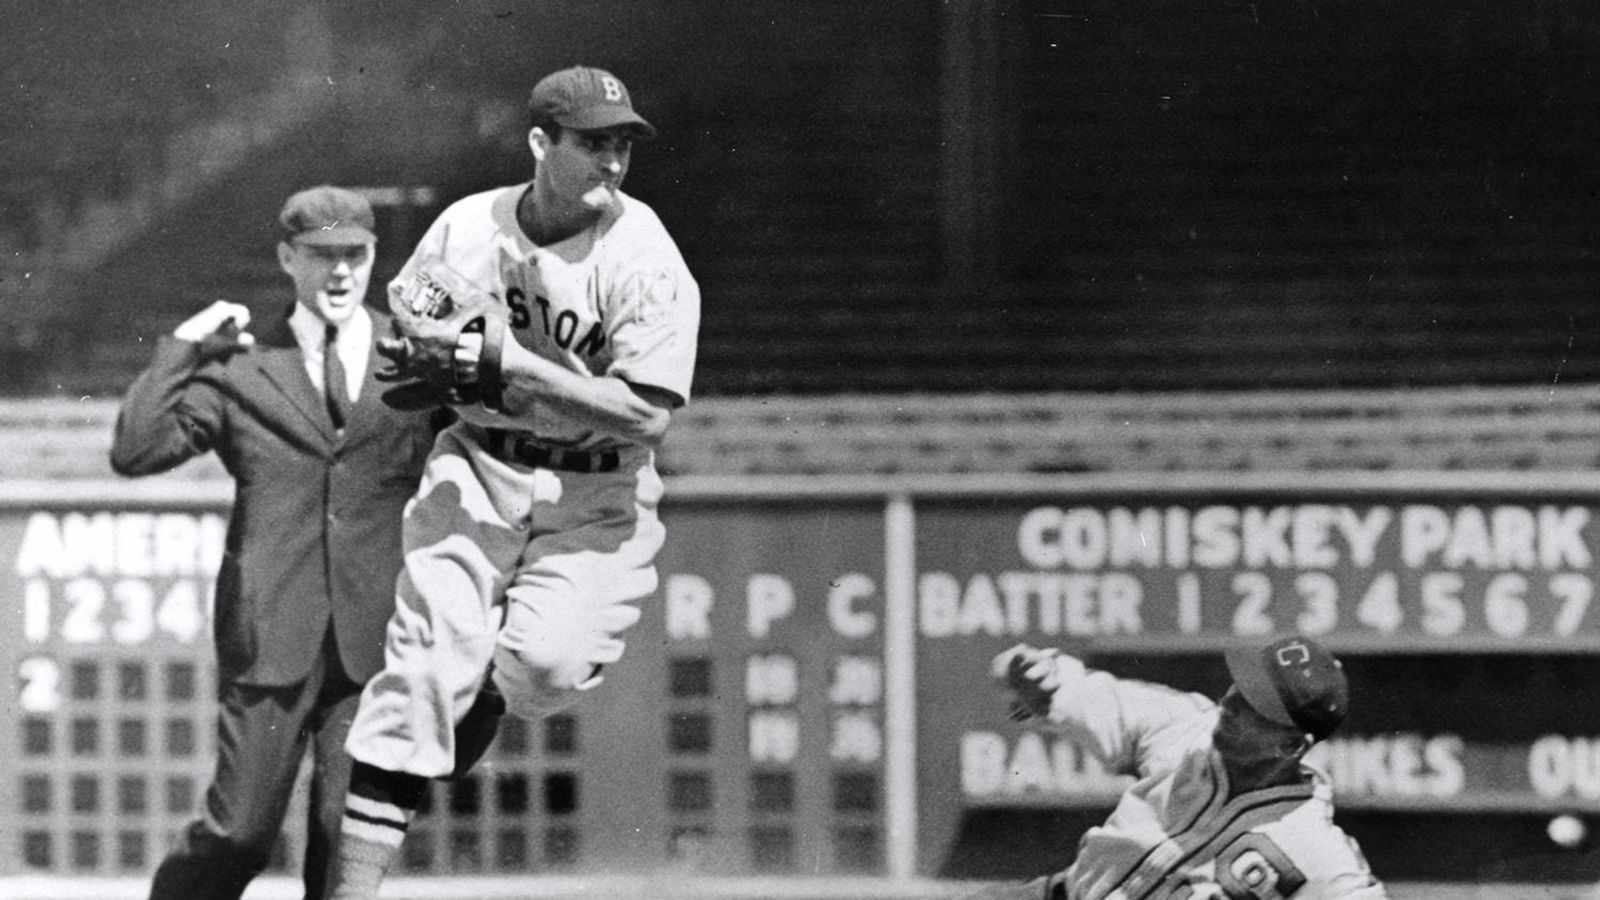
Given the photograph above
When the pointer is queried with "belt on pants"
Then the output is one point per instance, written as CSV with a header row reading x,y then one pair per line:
x,y
513,446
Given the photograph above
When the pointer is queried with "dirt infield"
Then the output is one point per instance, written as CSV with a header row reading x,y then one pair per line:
x,y
668,887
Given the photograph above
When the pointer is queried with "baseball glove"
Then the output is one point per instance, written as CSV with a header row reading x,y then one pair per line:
x,y
432,310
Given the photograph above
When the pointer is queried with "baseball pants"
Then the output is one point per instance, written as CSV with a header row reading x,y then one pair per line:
x,y
531,568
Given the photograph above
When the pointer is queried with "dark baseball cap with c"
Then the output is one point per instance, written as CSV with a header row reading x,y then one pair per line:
x,y
586,99
1293,681
327,215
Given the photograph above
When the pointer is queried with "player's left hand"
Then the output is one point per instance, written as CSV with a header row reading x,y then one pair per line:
x,y
1032,675
447,343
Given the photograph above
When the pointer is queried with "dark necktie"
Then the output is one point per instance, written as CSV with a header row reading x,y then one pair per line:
x,y
334,386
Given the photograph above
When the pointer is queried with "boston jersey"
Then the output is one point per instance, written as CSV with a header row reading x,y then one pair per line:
x,y
615,299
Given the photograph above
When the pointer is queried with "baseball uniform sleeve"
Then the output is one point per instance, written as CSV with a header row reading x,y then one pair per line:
x,y
171,413
657,320
1314,853
430,248
1132,727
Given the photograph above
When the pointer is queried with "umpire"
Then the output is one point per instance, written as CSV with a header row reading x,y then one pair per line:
x,y
322,469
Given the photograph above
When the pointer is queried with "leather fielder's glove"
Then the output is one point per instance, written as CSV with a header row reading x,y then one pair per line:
x,y
432,310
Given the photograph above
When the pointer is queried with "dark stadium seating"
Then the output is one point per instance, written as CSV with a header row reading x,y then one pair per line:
x,y
1227,199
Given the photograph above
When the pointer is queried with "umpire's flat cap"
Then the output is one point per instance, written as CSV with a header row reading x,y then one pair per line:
x,y
327,215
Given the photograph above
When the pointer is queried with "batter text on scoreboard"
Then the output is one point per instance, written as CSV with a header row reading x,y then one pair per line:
x,y
1502,571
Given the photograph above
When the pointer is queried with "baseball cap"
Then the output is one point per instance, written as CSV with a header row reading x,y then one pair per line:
x,y
1294,681
586,99
327,215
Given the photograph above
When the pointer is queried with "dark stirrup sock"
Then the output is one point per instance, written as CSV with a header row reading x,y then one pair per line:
x,y
477,729
377,811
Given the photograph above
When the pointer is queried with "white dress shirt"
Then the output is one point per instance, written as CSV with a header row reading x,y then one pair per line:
x,y
355,342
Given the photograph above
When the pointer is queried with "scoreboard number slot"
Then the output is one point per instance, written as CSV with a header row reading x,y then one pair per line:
x,y
39,685
129,612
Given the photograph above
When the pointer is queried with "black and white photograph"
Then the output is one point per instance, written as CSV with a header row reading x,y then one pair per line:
x,y
800,450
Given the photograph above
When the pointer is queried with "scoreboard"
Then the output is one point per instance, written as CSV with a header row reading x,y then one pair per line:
x,y
808,692
113,697
1436,587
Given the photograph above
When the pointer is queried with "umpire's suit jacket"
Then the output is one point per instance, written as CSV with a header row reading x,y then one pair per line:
x,y
315,529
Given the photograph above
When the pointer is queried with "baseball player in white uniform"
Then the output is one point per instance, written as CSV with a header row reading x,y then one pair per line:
x,y
1224,806
534,528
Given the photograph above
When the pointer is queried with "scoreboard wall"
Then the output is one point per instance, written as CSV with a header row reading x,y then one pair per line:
x,y
807,691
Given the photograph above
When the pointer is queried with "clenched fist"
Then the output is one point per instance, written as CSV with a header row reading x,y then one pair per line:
x,y
218,329
1032,674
